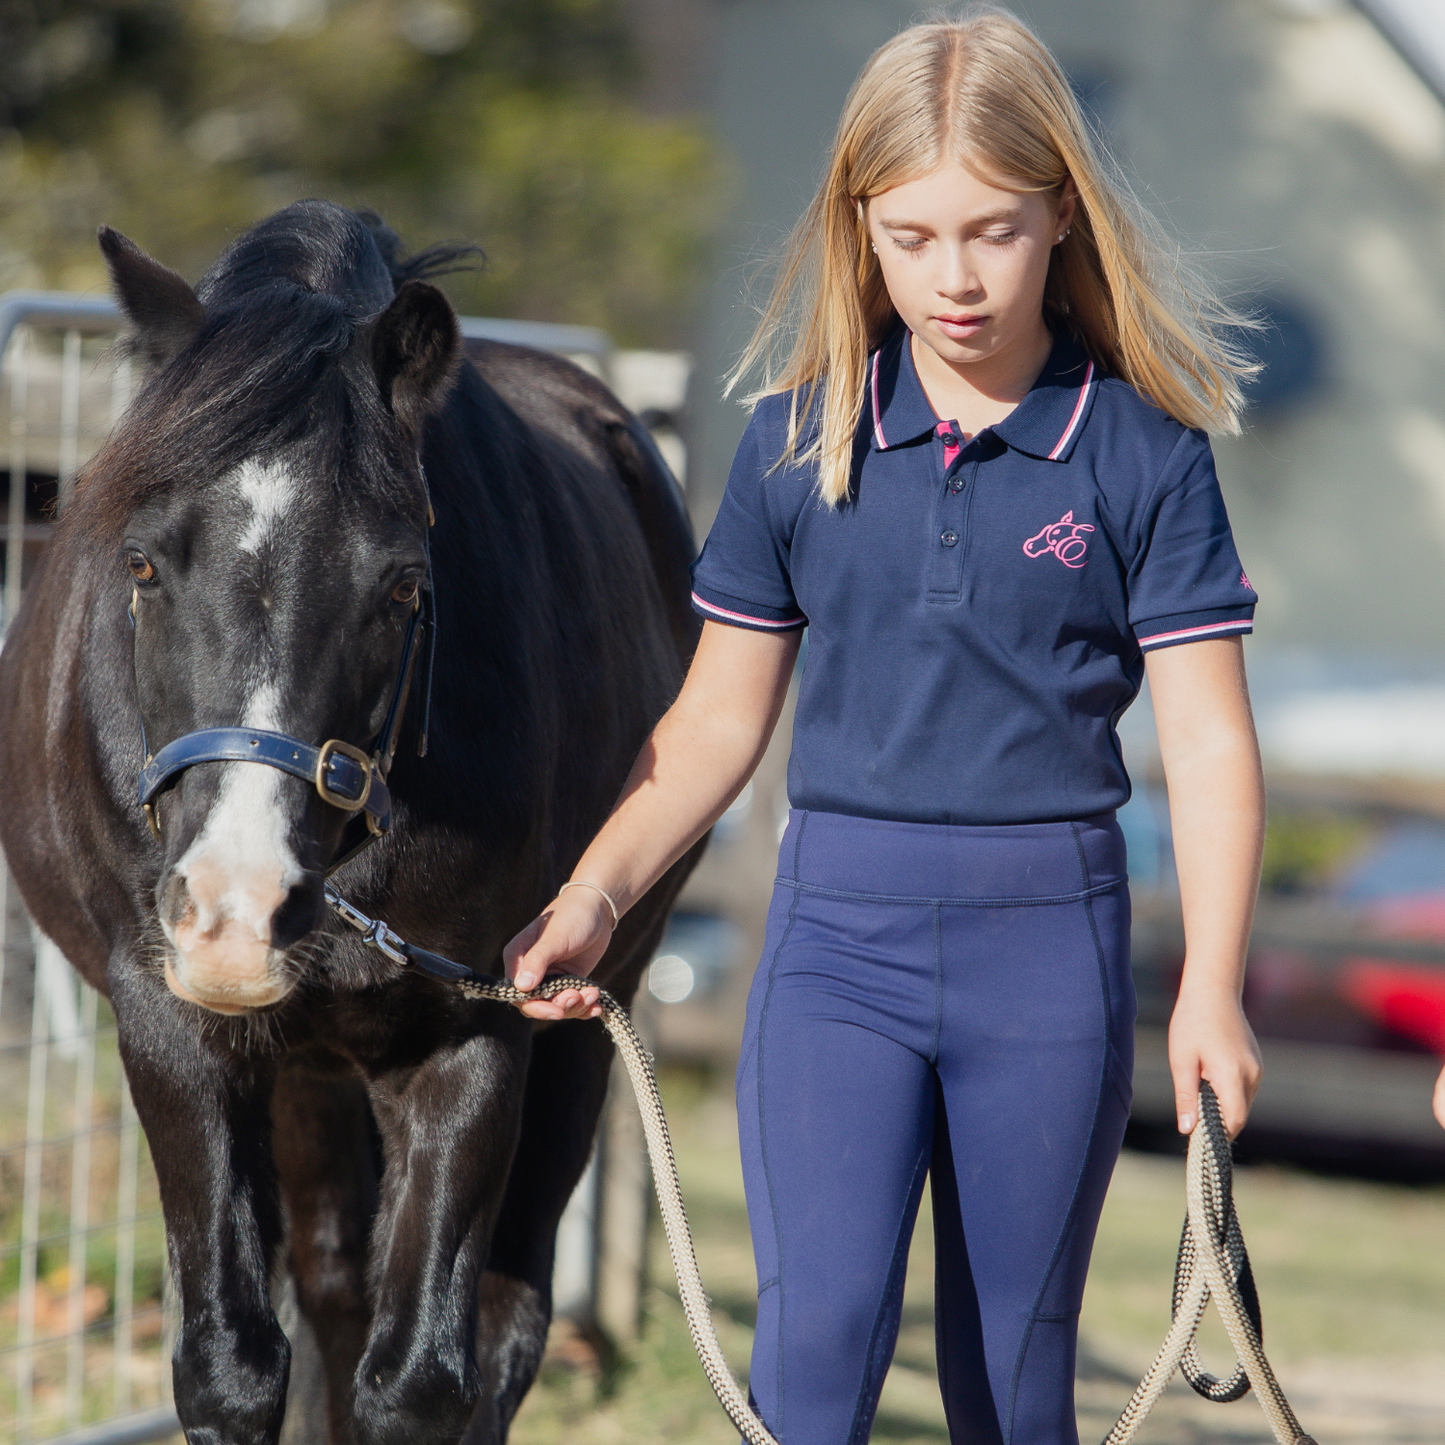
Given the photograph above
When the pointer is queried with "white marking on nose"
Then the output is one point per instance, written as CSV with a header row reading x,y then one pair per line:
x,y
269,488
238,871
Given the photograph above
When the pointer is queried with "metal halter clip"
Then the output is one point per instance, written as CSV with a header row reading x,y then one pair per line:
x,y
323,763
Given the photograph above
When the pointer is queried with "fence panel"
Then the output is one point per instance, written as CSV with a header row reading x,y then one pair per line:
x,y
82,1243
82,1246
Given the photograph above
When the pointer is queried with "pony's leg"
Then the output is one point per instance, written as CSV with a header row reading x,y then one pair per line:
x,y
325,1146
449,1119
566,1086
207,1119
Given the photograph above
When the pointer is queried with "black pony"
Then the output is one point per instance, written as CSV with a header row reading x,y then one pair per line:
x,y
249,551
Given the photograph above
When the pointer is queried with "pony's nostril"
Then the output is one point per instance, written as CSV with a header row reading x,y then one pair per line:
x,y
299,913
177,907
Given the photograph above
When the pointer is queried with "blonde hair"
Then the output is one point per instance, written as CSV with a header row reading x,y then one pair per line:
x,y
984,91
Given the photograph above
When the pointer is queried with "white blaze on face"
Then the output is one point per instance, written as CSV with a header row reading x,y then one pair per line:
x,y
240,868
268,487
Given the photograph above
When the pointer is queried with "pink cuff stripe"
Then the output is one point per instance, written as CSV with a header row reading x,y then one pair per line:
x,y
714,610
1212,629
1078,412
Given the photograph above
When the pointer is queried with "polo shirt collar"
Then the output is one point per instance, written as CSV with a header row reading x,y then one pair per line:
x,y
1045,424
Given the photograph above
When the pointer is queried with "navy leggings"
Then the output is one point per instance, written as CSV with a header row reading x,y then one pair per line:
x,y
951,1002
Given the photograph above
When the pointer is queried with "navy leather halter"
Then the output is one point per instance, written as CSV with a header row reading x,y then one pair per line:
x,y
343,775
346,776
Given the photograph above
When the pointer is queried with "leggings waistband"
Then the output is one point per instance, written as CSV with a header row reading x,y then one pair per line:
x,y
953,863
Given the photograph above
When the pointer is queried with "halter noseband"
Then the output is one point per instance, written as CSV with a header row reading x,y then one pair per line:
x,y
344,775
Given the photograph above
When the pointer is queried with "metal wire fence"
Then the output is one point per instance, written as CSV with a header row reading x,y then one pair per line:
x,y
82,1245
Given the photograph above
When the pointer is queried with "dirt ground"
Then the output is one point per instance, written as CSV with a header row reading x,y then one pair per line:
x,y
1351,1278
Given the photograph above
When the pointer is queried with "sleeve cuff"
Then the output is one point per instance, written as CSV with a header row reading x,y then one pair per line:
x,y
719,607
1157,632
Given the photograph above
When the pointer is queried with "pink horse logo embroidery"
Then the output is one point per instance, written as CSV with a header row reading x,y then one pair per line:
x,y
1064,538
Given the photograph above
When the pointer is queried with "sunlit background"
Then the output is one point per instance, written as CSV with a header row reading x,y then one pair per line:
x,y
632,166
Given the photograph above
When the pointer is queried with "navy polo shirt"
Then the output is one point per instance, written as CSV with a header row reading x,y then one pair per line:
x,y
978,610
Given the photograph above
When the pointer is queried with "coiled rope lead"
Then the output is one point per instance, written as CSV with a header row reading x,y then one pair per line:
x,y
1212,1261
1212,1257
654,1125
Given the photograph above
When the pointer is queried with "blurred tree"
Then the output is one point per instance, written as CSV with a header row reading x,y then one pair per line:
x,y
507,122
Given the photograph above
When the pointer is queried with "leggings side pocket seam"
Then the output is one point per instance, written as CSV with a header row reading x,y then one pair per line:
x,y
762,1126
1035,1315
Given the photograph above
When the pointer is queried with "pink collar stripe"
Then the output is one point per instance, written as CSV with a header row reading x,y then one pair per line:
x,y
713,610
877,415
1073,420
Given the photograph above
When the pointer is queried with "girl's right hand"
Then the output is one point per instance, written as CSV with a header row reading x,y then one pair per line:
x,y
568,937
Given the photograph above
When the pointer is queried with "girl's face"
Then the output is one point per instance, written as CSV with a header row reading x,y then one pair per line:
x,y
965,262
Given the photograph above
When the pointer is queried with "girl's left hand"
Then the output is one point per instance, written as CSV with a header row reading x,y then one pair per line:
x,y
1440,1099
1210,1038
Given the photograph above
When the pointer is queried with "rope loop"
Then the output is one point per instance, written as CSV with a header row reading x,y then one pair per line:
x,y
1212,1262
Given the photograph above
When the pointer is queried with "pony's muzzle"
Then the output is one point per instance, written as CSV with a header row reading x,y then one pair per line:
x,y
229,933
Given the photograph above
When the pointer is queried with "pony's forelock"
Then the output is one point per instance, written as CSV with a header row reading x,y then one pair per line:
x,y
276,370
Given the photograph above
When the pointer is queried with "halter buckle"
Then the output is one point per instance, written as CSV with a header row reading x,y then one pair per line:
x,y
323,762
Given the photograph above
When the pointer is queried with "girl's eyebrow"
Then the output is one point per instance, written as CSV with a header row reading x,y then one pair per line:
x,y
991,218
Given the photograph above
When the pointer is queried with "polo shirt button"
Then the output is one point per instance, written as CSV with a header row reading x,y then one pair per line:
x,y
956,485
949,538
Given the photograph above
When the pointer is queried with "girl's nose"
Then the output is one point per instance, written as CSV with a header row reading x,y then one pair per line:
x,y
959,279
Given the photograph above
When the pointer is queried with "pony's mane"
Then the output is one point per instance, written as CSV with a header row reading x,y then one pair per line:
x,y
272,366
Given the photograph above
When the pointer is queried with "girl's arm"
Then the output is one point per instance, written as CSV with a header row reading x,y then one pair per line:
x,y
1216,808
695,763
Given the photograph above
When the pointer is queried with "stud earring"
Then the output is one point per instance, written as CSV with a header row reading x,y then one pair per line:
x,y
875,249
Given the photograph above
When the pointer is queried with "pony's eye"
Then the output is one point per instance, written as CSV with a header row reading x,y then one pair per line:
x,y
140,566
406,591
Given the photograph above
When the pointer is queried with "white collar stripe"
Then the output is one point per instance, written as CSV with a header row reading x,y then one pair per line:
x,y
877,415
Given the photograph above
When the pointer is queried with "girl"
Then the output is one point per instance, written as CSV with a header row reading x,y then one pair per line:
x,y
980,477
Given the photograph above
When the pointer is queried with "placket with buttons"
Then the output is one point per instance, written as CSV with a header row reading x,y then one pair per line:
x,y
946,546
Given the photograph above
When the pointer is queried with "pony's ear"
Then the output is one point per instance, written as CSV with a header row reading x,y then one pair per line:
x,y
415,347
163,310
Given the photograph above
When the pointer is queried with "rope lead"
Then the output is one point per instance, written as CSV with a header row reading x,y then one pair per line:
x,y
1212,1257
1212,1261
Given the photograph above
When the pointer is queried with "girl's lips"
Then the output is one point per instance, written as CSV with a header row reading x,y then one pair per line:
x,y
961,325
